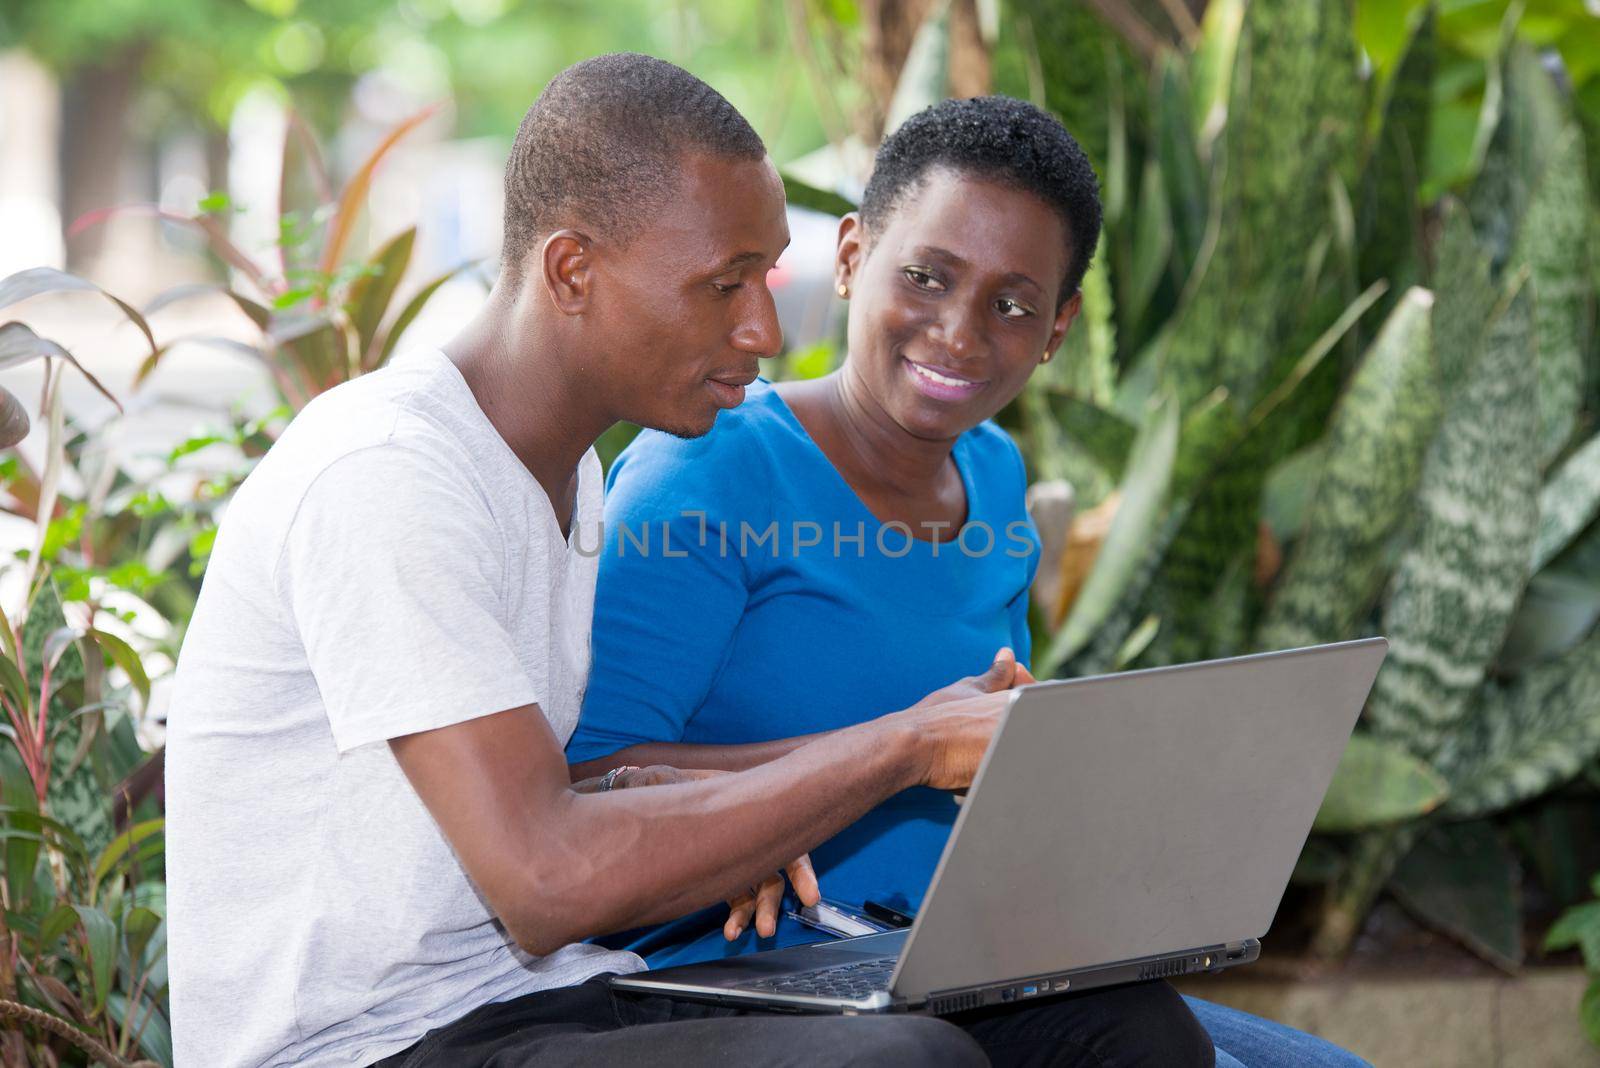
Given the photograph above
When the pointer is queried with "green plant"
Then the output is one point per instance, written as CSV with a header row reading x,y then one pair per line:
x,y
82,944
323,316
1358,399
1579,927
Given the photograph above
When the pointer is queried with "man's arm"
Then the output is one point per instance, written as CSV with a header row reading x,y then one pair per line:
x,y
558,866
1003,674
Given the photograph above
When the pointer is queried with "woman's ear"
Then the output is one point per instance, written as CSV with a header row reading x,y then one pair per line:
x,y
567,270
1064,317
847,256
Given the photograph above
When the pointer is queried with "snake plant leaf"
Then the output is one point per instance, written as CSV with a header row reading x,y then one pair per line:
x,y
1465,296
1178,162
1152,245
1214,66
1292,119
1085,364
803,195
1557,611
1129,629
1104,435
1375,447
1458,579
1523,737
1569,502
1462,880
1222,471
1531,120
1551,243
1377,783
1387,221
1144,496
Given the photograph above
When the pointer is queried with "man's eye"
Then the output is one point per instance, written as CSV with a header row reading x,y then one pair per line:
x,y
725,288
1011,309
922,278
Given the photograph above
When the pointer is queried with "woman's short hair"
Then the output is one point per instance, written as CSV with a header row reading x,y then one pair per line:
x,y
999,139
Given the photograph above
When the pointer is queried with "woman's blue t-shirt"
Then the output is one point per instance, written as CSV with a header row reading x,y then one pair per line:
x,y
746,593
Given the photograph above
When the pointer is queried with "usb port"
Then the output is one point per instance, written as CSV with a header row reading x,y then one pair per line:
x,y
1030,990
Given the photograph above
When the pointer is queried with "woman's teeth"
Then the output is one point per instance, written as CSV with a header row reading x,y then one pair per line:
x,y
934,376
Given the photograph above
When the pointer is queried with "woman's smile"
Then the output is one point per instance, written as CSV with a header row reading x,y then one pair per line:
x,y
941,383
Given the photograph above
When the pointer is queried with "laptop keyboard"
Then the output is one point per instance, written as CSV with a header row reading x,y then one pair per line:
x,y
851,981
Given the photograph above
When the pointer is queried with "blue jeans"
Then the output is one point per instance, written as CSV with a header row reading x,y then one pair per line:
x,y
1245,1041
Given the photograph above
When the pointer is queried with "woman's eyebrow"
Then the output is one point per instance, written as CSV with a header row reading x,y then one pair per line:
x,y
934,252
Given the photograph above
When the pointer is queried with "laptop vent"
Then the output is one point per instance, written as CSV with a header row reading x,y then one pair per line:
x,y
1162,969
955,1003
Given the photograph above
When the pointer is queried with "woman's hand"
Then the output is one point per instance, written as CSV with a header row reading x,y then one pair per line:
x,y
961,718
760,903
1003,674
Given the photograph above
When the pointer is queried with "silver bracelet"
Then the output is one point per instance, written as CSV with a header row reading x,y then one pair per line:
x,y
609,779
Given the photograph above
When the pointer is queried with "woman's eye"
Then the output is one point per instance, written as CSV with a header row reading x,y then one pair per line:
x,y
922,278
1011,309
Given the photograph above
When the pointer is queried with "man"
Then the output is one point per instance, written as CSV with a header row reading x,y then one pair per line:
x,y
372,836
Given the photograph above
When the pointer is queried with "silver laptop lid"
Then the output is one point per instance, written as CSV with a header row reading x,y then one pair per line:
x,y
1130,815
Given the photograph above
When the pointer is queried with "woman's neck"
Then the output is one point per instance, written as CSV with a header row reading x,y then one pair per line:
x,y
880,448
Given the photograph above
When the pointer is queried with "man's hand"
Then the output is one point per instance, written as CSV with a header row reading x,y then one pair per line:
x,y
761,902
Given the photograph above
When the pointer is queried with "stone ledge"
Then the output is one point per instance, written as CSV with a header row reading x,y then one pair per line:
x,y
1530,1021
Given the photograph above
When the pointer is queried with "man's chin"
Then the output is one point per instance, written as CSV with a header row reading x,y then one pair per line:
x,y
683,428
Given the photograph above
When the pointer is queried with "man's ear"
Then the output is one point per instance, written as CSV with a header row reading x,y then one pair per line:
x,y
567,268
847,255
1064,317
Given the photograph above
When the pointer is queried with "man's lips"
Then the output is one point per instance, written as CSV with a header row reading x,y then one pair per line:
x,y
941,383
728,387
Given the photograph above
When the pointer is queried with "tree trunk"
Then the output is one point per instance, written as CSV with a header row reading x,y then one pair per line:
x,y
888,28
96,101
970,69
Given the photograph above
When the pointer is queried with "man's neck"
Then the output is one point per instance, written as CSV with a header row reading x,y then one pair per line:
x,y
514,365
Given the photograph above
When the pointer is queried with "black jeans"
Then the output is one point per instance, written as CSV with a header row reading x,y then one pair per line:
x,y
1138,1024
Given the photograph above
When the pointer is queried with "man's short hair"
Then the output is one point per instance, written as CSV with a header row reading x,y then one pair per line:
x,y
1002,140
600,148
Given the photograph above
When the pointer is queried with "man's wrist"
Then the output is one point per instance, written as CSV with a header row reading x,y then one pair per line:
x,y
905,746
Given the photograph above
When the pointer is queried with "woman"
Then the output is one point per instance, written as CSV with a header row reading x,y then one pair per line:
x,y
836,548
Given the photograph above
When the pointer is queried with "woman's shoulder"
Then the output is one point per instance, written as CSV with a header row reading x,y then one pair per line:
x,y
728,463
994,452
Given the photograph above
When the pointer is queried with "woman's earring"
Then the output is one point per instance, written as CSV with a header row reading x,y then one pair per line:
x,y
1047,356
843,290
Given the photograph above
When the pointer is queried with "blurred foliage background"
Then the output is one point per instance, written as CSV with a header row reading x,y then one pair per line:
x,y
1337,374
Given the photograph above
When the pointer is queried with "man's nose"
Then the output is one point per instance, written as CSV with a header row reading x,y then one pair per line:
x,y
759,331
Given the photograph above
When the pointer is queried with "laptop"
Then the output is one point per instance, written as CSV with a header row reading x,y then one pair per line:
x,y
1120,828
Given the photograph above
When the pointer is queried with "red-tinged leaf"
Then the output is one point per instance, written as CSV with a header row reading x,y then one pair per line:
x,y
37,280
14,423
371,294
342,225
392,334
215,233
19,344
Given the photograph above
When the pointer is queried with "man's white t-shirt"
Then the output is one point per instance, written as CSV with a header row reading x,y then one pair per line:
x,y
389,567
